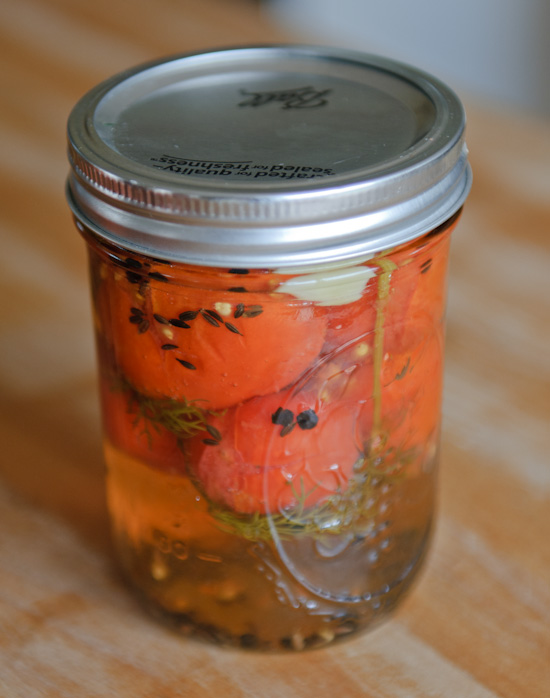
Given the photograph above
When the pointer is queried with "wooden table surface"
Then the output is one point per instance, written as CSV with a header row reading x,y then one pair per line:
x,y
476,625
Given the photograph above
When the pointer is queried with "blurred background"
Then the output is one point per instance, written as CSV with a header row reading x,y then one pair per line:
x,y
495,50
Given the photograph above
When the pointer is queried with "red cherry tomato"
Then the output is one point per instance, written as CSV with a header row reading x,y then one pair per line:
x,y
411,400
260,466
129,430
232,346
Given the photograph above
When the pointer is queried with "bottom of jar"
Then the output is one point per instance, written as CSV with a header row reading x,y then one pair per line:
x,y
216,611
288,593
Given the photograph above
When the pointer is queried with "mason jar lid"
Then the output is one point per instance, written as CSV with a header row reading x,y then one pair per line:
x,y
267,157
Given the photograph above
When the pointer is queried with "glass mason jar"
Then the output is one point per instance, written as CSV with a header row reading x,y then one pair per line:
x,y
269,323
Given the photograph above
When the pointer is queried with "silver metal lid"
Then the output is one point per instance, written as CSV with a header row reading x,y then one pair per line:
x,y
270,156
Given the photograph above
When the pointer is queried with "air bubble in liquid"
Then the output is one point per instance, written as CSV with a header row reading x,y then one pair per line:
x,y
179,549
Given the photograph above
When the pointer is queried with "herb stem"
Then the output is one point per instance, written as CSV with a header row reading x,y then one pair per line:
x,y
384,280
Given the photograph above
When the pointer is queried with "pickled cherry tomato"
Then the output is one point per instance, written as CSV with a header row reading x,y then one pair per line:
x,y
354,323
216,347
351,322
429,297
277,452
411,400
129,430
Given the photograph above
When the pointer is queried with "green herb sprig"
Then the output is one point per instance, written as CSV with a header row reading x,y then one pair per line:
x,y
346,511
184,418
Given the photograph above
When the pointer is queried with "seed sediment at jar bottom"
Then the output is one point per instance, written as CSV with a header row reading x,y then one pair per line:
x,y
206,581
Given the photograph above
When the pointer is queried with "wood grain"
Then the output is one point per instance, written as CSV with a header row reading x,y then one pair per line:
x,y
478,622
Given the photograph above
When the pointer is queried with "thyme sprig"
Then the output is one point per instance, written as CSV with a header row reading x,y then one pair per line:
x,y
184,418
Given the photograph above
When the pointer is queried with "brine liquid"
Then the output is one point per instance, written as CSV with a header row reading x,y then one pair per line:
x,y
218,586
271,439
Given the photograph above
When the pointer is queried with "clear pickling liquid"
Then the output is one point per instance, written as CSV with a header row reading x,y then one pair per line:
x,y
271,438
234,591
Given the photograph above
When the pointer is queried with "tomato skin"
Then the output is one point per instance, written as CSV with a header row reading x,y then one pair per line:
x,y
256,469
429,299
411,401
418,291
136,435
352,322
209,361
